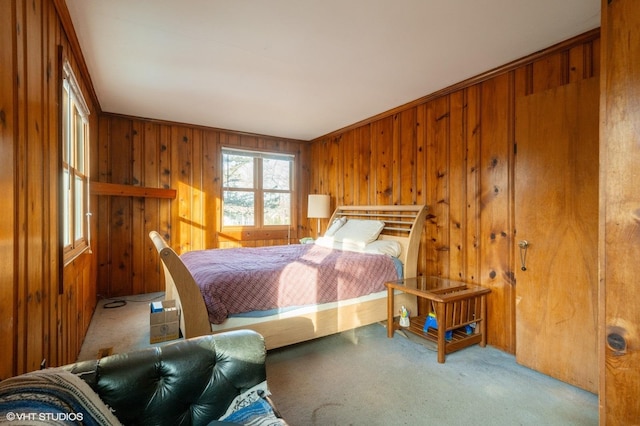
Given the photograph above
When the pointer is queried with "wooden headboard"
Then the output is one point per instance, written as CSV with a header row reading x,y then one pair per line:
x,y
403,223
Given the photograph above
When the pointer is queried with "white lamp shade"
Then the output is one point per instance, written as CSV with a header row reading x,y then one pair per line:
x,y
318,206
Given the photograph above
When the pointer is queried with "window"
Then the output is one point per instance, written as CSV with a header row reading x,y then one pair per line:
x,y
257,189
75,167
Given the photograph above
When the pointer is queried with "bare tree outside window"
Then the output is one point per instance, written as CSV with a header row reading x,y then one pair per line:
x,y
257,188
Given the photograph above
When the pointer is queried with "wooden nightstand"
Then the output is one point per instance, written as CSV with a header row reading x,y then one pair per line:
x,y
459,308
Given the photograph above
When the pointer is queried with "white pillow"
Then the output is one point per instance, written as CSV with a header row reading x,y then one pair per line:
x,y
359,231
390,247
329,242
335,225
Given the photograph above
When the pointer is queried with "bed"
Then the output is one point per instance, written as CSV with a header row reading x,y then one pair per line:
x,y
401,225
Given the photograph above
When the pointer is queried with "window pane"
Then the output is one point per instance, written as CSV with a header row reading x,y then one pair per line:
x,y
79,157
238,208
237,171
79,209
66,203
66,137
276,174
277,208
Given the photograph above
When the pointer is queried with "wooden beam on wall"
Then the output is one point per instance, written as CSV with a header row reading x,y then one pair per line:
x,y
115,189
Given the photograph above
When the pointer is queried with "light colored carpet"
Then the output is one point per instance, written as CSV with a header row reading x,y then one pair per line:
x,y
364,378
361,377
119,328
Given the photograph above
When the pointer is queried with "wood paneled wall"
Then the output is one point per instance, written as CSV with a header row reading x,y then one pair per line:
x,y
454,151
37,321
185,158
619,338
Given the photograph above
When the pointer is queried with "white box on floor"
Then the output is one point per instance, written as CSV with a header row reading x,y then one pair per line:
x,y
164,321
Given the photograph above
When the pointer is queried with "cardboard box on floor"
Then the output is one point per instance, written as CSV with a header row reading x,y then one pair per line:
x,y
164,321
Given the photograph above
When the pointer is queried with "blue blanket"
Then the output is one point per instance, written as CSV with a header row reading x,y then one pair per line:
x,y
52,397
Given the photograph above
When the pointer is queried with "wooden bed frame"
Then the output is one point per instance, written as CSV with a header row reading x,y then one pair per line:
x,y
403,223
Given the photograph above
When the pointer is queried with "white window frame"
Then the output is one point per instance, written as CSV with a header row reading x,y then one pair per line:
x,y
258,188
75,176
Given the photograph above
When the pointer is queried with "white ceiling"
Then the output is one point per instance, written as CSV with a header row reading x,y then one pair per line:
x,y
303,68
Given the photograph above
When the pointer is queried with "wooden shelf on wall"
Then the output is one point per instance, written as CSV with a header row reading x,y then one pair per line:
x,y
115,189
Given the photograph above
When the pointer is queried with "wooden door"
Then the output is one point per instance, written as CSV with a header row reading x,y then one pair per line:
x,y
556,211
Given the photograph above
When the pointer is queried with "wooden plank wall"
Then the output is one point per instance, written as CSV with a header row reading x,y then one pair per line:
x,y
619,238
37,322
186,158
453,151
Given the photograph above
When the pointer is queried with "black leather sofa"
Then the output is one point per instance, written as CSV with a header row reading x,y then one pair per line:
x,y
188,382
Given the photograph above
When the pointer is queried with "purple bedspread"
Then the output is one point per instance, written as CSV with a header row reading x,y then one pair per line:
x,y
254,279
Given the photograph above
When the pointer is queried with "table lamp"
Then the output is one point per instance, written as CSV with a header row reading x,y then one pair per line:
x,y
318,207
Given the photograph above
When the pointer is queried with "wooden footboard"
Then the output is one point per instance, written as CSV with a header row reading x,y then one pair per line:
x,y
403,224
181,287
